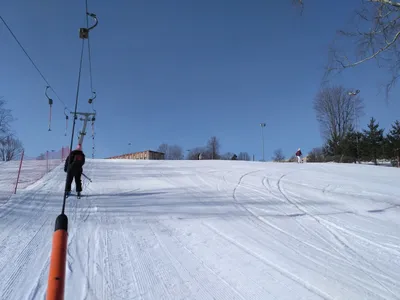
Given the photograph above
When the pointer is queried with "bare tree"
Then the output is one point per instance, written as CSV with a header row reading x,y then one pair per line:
x,y
5,119
194,153
172,152
316,155
278,156
163,148
374,36
175,152
10,148
227,156
213,147
337,112
244,156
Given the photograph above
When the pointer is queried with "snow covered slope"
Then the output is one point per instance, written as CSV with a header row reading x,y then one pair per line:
x,y
31,171
210,230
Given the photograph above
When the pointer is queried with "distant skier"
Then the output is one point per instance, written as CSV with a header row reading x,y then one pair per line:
x,y
298,155
74,167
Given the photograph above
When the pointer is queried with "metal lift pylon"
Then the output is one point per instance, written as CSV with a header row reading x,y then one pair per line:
x,y
85,118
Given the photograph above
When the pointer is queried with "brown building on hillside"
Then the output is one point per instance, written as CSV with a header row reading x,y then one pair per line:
x,y
148,154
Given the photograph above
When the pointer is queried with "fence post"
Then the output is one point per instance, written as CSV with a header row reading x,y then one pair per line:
x,y
19,171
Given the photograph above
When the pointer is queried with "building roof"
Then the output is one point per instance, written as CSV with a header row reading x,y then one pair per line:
x,y
132,153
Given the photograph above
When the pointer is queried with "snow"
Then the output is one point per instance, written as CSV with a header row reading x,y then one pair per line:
x,y
209,230
31,171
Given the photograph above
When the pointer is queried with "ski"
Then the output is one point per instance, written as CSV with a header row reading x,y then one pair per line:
x,y
79,196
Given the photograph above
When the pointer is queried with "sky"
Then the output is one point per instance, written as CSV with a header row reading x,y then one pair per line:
x,y
179,72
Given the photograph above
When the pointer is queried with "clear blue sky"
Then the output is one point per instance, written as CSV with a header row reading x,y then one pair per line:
x,y
179,72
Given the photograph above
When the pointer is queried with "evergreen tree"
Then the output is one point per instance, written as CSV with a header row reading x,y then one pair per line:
x,y
352,146
373,141
387,152
348,149
333,148
393,141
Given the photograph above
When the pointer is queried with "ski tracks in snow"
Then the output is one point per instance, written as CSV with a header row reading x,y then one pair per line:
x,y
259,224
344,248
212,233
275,266
24,238
349,257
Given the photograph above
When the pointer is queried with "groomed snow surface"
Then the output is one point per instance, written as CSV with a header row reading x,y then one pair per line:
x,y
31,171
209,230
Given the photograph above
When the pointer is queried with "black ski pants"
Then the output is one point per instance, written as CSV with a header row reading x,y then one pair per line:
x,y
78,182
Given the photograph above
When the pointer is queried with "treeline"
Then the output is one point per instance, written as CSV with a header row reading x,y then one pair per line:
x,y
369,145
210,151
10,146
338,110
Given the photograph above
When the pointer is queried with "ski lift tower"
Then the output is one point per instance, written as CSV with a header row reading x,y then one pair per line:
x,y
85,117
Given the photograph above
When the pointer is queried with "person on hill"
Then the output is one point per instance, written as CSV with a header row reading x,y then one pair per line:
x,y
298,155
74,168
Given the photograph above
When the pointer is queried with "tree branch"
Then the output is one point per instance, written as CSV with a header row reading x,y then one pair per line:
x,y
388,45
374,35
387,2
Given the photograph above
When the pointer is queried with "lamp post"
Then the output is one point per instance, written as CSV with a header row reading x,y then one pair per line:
x,y
356,119
188,153
262,136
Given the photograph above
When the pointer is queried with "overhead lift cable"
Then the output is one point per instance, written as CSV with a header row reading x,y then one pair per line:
x,y
91,80
56,279
89,50
33,63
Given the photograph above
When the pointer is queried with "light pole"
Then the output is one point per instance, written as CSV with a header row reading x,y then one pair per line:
x,y
129,148
352,94
262,136
188,153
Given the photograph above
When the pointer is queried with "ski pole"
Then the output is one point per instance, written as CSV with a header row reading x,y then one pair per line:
x,y
87,177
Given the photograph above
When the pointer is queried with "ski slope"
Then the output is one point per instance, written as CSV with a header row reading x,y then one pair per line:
x,y
31,171
209,230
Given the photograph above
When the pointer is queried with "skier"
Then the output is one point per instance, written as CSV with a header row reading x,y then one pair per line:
x,y
73,167
298,155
